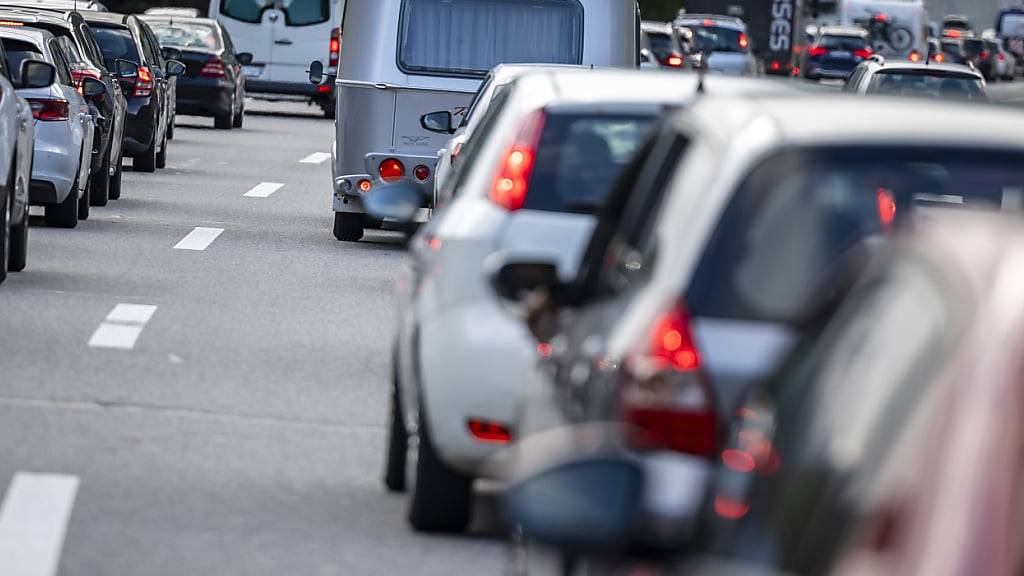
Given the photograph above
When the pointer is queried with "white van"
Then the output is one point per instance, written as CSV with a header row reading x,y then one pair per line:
x,y
284,36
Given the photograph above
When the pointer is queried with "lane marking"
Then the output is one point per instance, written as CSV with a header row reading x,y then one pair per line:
x,y
316,158
199,239
263,189
34,521
122,327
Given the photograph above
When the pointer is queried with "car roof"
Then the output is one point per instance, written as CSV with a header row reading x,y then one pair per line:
x,y
505,72
34,16
106,18
163,18
948,67
842,31
718,20
35,35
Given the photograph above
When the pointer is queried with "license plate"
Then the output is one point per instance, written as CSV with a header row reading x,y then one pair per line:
x,y
252,71
841,54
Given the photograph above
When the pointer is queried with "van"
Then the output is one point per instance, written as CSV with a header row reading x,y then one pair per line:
x,y
406,58
283,37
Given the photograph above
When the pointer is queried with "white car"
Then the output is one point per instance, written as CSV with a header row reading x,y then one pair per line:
x,y
532,175
64,127
725,41
16,141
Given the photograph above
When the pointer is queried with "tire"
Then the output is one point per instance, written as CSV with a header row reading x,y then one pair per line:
x,y
900,38
65,214
99,183
239,118
17,253
161,156
348,227
146,162
329,111
83,202
398,441
441,499
5,232
170,127
223,121
115,180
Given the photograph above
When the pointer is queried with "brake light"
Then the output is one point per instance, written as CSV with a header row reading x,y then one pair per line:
x,y
951,33
886,207
985,54
776,66
1001,57
674,61
881,18
335,47
513,179
744,41
709,22
863,53
391,170
49,109
213,68
143,82
490,432
817,51
421,173
940,58
915,56
665,399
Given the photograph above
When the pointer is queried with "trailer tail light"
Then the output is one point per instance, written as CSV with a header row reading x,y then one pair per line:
x,y
512,182
335,47
143,82
391,170
213,68
665,400
421,172
49,109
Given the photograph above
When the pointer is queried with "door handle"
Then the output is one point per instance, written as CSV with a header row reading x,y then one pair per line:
x,y
284,42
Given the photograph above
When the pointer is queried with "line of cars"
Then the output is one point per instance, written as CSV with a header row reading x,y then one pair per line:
x,y
83,89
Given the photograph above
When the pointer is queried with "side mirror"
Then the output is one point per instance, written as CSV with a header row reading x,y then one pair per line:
x,y
37,74
126,70
398,202
244,58
174,68
514,281
440,122
171,53
645,56
316,72
92,87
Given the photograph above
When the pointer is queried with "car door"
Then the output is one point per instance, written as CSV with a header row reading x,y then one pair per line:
x,y
300,33
249,22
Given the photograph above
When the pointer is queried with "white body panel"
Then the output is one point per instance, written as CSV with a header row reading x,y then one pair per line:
x,y
63,148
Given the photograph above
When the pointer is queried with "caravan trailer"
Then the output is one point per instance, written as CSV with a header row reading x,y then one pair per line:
x,y
405,58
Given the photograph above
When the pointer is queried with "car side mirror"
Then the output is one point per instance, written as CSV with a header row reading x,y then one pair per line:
x,y
645,56
174,68
398,201
316,72
244,58
171,53
516,280
92,87
126,70
440,122
37,74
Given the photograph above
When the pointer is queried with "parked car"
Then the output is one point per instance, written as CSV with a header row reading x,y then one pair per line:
x,y
284,37
213,83
661,43
722,40
701,277
78,45
835,52
17,141
64,125
128,38
379,137
920,79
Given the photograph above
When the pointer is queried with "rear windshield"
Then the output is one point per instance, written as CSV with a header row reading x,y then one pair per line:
x,y
18,52
296,12
973,47
661,44
581,156
116,43
187,35
847,43
717,39
469,37
928,84
800,212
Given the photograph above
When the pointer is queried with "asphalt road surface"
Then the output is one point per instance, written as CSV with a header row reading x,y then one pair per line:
x,y
194,381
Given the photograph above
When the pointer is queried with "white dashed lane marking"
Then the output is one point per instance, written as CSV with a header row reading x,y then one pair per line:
x,y
199,239
316,158
122,327
263,189
33,522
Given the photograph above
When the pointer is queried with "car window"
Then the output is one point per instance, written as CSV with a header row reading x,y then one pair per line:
x,y
946,86
117,43
187,35
718,39
843,43
477,98
228,43
18,52
150,47
297,12
61,64
89,45
662,44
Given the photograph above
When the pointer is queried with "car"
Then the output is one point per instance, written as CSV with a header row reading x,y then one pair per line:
x,y
956,25
722,40
284,37
63,5
149,92
701,276
213,83
64,126
661,43
953,51
17,141
978,54
919,79
835,52
78,45
1004,62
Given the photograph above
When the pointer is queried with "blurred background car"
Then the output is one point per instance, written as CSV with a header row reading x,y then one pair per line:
x,y
660,41
979,54
213,83
953,51
1004,62
927,80
16,151
956,25
723,40
835,52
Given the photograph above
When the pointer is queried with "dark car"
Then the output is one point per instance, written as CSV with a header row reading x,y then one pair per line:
x,y
127,37
213,83
83,54
877,76
952,51
977,53
835,53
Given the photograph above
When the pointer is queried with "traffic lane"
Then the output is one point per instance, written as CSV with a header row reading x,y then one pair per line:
x,y
1009,93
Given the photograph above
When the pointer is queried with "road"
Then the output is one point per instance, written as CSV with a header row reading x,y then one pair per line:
x,y
238,427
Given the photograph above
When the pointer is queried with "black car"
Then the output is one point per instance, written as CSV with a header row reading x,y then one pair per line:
x,y
213,83
836,52
977,52
83,54
127,37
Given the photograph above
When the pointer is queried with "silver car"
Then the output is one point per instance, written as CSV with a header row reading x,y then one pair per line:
x,y
723,40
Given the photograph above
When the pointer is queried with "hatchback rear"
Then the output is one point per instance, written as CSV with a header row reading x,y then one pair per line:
x,y
835,54
724,40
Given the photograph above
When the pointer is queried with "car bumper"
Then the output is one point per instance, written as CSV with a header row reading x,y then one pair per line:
x,y
139,125
204,98
55,164
348,197
289,88
830,72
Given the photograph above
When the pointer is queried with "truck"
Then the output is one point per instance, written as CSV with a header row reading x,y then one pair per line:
x,y
775,28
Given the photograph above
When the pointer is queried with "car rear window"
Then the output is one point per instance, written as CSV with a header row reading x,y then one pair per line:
x,y
717,39
847,43
661,44
799,213
932,84
116,43
18,52
296,12
469,37
187,35
581,156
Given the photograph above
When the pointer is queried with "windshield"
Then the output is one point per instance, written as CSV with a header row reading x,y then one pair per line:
x,y
928,84
717,39
116,43
799,213
296,12
187,35
469,37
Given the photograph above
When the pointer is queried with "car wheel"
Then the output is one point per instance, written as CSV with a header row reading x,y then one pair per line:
x,y
398,440
239,118
83,202
17,252
348,227
65,214
161,156
170,127
115,180
5,235
100,183
225,121
146,162
441,499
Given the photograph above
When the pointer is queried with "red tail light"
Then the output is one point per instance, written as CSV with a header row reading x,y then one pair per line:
x,y
674,61
881,18
82,73
490,432
1001,57
665,398
744,41
915,56
817,51
421,173
886,207
513,180
940,58
776,66
985,54
335,47
49,109
213,68
863,53
143,82
391,170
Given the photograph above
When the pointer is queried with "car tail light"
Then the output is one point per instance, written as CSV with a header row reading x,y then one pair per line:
x,y
365,186
143,82
817,51
421,173
886,207
490,432
513,179
80,74
985,54
665,400
324,89
940,58
674,61
335,47
744,41
863,53
776,66
915,56
49,109
881,18
1001,57
391,170
213,68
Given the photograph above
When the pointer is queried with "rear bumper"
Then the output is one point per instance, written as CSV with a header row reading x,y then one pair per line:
x,y
139,125
346,187
56,163
290,88
204,97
